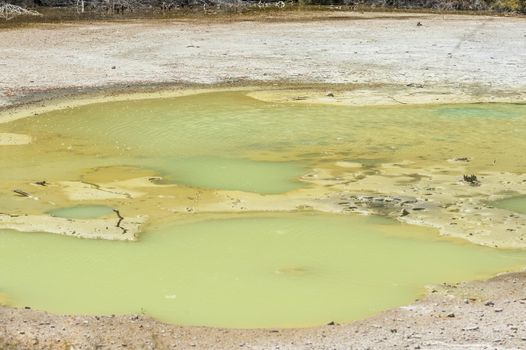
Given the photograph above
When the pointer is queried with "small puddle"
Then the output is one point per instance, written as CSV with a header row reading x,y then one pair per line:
x,y
232,174
272,271
82,212
516,204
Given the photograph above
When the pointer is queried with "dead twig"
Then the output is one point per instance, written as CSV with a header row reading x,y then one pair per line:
x,y
116,211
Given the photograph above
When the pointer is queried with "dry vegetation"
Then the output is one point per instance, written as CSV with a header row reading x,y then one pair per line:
x,y
78,9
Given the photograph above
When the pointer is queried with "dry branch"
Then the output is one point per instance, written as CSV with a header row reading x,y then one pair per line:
x,y
8,11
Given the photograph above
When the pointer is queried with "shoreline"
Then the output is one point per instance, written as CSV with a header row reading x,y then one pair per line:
x,y
36,103
474,315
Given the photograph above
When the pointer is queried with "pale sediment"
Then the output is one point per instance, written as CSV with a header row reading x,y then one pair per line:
x,y
391,95
449,58
116,229
440,198
9,139
447,202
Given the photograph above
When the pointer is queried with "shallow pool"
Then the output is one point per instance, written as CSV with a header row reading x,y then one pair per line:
x,y
516,204
290,270
173,159
82,212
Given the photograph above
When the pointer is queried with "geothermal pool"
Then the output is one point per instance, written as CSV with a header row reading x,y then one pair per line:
x,y
242,229
269,271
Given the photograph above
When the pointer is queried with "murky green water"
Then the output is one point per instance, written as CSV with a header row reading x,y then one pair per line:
x,y
516,204
82,212
242,271
231,174
221,134
281,271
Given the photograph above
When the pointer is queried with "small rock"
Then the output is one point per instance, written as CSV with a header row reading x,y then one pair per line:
x,y
404,212
499,310
451,315
113,67
471,328
330,94
419,24
489,303
471,180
